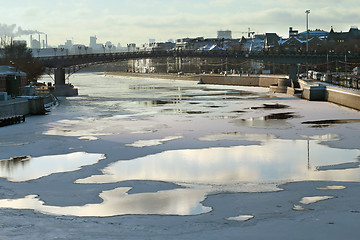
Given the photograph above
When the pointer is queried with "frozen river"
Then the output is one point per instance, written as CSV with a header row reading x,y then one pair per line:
x,y
152,155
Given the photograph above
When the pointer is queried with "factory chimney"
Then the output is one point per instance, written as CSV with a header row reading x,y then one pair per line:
x,y
46,41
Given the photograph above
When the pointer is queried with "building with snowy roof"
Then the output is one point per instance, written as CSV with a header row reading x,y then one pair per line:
x,y
12,81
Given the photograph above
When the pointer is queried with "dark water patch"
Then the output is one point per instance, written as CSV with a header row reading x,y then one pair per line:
x,y
341,166
154,103
332,121
280,116
214,106
195,112
239,111
271,106
319,126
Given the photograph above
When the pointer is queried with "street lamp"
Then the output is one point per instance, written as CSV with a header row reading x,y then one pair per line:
x,y
307,12
307,30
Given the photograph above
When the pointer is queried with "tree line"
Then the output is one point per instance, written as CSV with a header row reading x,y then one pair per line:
x,y
16,54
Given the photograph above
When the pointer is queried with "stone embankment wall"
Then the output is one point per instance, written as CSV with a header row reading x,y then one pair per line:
x,y
255,81
343,97
11,108
310,91
23,106
320,92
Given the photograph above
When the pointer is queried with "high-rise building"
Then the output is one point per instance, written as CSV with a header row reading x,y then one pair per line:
x,y
93,41
227,34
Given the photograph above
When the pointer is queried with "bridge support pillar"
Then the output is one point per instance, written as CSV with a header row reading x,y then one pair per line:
x,y
62,89
293,76
59,76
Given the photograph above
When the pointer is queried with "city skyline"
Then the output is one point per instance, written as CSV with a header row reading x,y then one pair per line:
x,y
127,21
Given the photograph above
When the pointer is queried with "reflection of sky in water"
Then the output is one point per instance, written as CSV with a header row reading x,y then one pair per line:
x,y
118,202
152,142
310,200
274,161
123,105
241,218
33,168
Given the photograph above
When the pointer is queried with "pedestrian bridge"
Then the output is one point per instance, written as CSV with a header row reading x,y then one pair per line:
x,y
59,63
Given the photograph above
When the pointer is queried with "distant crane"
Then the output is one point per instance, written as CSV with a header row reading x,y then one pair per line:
x,y
249,33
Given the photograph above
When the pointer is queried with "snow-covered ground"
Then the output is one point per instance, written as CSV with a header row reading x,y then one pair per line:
x,y
137,158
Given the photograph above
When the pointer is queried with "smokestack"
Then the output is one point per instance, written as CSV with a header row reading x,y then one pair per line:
x,y
31,43
46,41
43,43
39,41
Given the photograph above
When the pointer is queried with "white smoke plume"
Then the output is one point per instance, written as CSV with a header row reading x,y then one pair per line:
x,y
12,31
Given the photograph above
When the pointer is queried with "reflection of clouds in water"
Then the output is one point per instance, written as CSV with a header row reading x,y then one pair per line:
x,y
236,136
34,168
153,142
91,128
301,208
332,188
117,202
89,138
325,137
310,200
274,161
241,218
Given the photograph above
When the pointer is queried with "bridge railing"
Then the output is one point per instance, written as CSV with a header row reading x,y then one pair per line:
x,y
286,58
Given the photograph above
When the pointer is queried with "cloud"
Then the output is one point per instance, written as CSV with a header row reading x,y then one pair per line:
x,y
136,21
10,30
7,30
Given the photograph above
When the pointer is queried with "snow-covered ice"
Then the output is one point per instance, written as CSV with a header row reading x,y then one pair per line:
x,y
167,159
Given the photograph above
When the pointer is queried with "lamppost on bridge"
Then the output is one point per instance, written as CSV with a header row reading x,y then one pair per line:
x,y
307,30
307,12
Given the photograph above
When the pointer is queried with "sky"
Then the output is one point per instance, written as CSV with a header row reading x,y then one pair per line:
x,y
137,21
